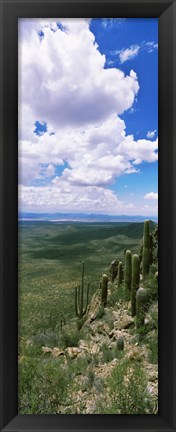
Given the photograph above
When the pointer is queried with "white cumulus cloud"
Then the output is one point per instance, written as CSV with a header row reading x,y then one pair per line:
x,y
151,196
66,90
151,134
63,83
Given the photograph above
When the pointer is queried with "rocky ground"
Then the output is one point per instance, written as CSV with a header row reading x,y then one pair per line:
x,y
98,346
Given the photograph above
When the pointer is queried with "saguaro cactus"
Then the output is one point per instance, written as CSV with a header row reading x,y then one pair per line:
x,y
141,306
135,282
128,270
104,289
146,249
120,343
114,269
79,297
120,274
151,248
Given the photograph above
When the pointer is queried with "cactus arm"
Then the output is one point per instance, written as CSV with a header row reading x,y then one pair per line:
x,y
120,274
114,269
104,289
140,251
82,290
146,249
77,291
78,294
128,270
141,306
135,282
79,297
87,300
76,300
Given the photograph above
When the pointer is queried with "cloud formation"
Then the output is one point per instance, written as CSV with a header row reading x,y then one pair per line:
x,y
80,103
66,90
151,134
109,22
151,196
91,199
129,53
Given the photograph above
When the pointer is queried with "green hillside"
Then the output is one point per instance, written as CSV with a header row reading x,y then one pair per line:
x,y
50,257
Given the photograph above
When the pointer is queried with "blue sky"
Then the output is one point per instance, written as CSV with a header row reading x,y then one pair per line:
x,y
88,127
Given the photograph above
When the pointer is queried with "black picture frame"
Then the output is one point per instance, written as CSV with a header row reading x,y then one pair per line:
x,y
165,11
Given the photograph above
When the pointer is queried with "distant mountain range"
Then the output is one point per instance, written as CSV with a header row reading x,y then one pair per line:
x,y
59,217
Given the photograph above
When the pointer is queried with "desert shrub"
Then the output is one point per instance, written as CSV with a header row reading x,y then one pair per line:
x,y
100,313
142,332
113,298
99,385
49,338
153,269
153,349
109,320
108,354
90,378
41,395
95,360
151,284
78,366
117,354
70,338
154,315
118,294
80,322
128,390
153,338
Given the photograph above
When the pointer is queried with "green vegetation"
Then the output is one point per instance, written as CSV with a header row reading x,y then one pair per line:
x,y
151,284
128,270
100,313
69,338
141,306
50,255
152,341
120,343
104,290
146,253
50,258
107,353
153,348
120,274
128,391
79,297
118,295
38,394
134,282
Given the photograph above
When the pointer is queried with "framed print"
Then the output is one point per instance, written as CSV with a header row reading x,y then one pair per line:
x,y
88,210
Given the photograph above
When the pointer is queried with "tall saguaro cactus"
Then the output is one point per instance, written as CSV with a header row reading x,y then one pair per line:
x,y
120,274
79,297
128,270
141,306
104,289
146,249
135,282
114,269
